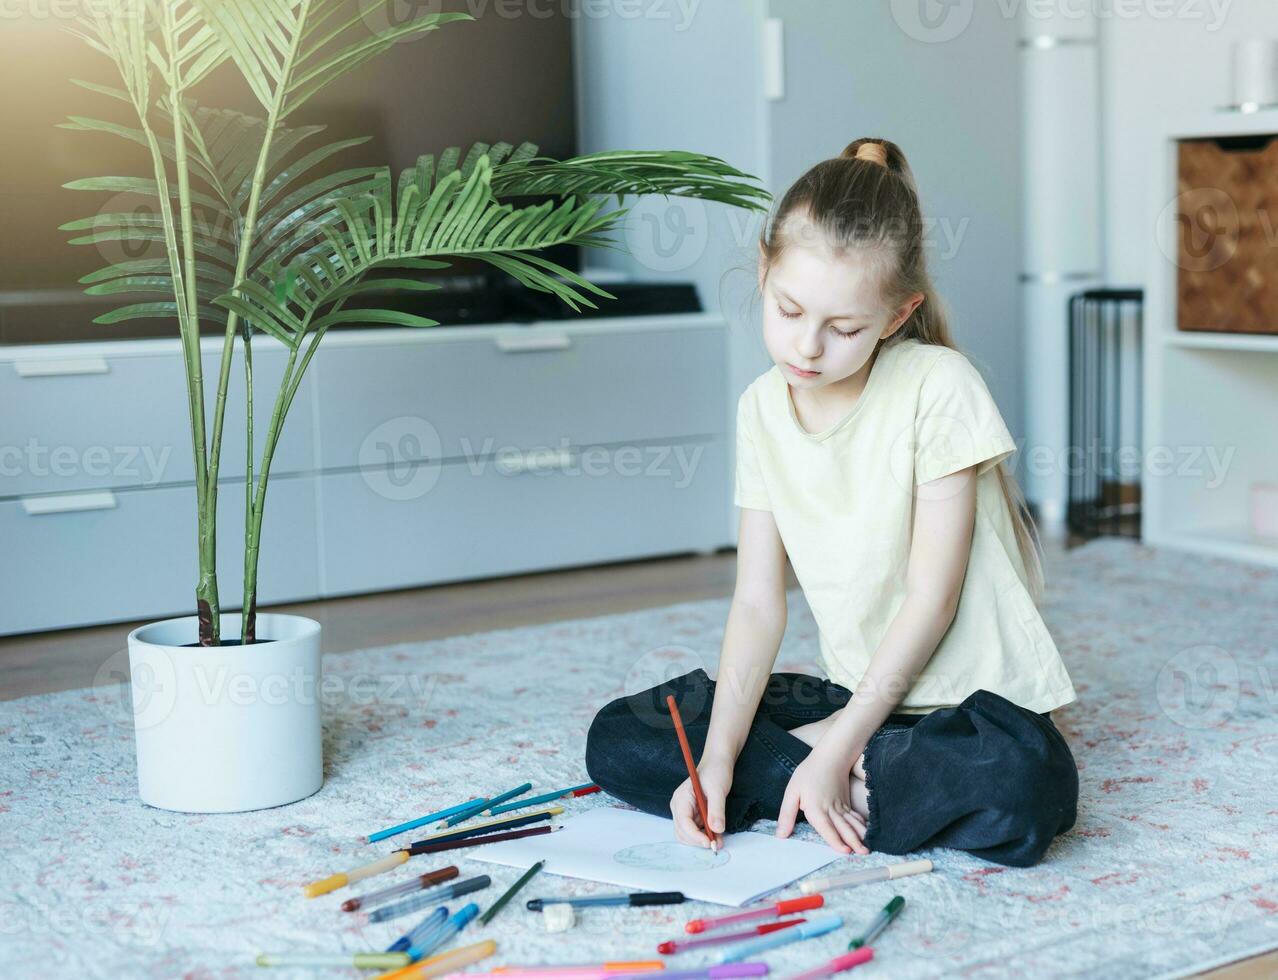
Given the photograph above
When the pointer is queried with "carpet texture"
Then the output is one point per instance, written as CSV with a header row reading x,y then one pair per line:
x,y
1172,866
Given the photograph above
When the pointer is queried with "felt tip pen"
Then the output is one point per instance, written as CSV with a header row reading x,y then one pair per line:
x,y
342,879
364,961
417,884
854,878
633,898
814,927
720,971
838,964
682,945
451,928
431,923
440,964
768,911
885,916
609,968
432,896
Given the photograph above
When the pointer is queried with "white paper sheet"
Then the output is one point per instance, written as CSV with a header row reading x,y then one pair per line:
x,y
639,851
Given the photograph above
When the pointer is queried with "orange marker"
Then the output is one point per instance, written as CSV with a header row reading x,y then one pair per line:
x,y
692,771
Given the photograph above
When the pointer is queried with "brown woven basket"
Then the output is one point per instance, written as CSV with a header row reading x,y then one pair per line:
x,y
1227,221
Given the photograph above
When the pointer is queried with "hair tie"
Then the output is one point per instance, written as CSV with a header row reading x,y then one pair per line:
x,y
874,152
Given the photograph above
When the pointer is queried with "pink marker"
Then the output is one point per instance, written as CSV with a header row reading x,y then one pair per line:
x,y
838,964
768,911
680,946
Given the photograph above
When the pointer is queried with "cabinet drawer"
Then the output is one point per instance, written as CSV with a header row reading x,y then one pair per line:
x,y
72,423
525,387
107,556
388,529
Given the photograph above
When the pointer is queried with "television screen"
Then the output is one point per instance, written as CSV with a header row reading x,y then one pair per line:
x,y
502,77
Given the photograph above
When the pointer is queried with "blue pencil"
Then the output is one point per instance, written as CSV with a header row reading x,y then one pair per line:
x,y
483,805
414,824
532,801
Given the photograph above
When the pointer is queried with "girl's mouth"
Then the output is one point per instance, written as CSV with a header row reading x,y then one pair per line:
x,y
800,372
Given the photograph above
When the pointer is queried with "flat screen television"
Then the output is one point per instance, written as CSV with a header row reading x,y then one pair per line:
x,y
497,78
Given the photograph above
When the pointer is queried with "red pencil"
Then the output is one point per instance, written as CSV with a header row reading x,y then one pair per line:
x,y
692,771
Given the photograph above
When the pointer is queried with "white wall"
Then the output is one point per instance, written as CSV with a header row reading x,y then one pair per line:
x,y
1156,69
953,105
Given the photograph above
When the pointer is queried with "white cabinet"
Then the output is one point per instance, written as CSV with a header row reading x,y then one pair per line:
x,y
409,457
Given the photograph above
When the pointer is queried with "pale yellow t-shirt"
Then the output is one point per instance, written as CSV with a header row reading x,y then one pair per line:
x,y
842,501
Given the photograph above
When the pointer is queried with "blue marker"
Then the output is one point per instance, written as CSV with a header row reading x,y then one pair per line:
x,y
817,926
451,928
433,922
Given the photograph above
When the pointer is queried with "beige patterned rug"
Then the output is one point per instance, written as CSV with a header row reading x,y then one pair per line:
x,y
1172,866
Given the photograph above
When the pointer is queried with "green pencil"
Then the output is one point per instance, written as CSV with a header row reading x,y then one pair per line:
x,y
510,893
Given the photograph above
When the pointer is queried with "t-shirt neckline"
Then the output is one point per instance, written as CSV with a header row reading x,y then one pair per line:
x,y
875,371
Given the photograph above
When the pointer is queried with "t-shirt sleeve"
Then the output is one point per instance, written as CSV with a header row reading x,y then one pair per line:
x,y
958,423
750,491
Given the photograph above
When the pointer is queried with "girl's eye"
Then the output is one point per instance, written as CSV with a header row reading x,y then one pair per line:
x,y
841,333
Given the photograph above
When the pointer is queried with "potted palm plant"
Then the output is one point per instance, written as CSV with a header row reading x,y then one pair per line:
x,y
251,229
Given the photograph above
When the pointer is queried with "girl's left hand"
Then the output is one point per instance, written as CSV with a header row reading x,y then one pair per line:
x,y
821,788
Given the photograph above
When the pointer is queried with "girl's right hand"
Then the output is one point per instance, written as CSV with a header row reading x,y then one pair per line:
x,y
716,780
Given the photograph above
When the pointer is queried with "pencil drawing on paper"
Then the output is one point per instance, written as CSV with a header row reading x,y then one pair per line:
x,y
671,856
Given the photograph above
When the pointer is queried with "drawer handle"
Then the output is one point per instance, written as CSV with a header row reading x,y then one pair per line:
x,y
54,368
536,461
519,343
69,502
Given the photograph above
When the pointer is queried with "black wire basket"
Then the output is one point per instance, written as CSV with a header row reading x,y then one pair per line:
x,y
1105,456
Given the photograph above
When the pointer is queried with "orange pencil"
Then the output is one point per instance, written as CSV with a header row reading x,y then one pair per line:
x,y
692,771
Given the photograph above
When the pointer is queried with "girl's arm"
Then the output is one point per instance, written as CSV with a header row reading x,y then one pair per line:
x,y
751,638
941,540
752,635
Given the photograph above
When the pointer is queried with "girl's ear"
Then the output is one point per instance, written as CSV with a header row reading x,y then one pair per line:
x,y
903,313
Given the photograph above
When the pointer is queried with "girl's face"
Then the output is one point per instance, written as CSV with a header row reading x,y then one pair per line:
x,y
822,313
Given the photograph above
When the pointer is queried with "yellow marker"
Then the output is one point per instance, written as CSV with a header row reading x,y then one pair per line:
x,y
499,822
436,966
334,882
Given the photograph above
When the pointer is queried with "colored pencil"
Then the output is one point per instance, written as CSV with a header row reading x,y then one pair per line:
x,y
692,771
342,879
401,828
405,888
522,880
476,808
477,840
505,823
550,797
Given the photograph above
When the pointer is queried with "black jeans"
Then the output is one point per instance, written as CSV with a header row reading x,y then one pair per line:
x,y
986,776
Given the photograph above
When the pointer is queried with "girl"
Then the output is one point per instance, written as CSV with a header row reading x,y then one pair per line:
x,y
871,454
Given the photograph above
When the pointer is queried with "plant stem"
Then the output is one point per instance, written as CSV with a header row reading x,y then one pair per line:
x,y
206,594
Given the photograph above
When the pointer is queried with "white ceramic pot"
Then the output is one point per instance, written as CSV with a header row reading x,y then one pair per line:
x,y
227,728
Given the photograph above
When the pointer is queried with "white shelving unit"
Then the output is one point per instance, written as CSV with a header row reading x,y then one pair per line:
x,y
1210,402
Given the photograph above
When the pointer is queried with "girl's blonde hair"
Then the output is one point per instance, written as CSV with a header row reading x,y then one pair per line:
x,y
866,199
